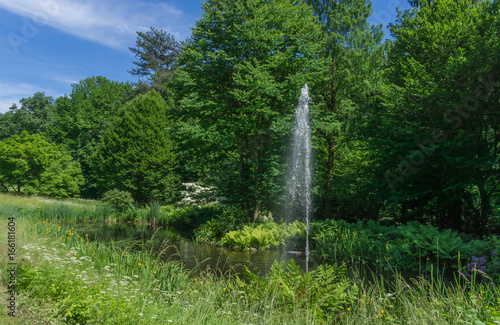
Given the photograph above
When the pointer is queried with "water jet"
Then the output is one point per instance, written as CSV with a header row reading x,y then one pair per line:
x,y
299,181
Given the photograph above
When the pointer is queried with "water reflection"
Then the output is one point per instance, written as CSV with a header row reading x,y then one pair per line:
x,y
198,257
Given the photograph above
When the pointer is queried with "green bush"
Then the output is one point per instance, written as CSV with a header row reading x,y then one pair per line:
x,y
154,211
230,218
186,219
121,202
410,246
325,290
266,235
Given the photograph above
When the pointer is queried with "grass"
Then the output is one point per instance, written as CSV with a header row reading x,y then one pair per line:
x,y
65,279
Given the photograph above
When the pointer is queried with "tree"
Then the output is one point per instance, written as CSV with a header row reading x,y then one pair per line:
x,y
137,154
441,162
34,115
81,120
156,53
239,80
352,57
29,164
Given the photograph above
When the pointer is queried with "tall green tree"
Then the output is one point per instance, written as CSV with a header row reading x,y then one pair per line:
x,y
81,119
239,80
137,154
352,58
156,53
31,165
441,162
34,115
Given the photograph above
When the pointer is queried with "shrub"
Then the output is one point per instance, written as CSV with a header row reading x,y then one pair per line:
x,y
404,247
154,211
266,235
121,202
230,218
325,290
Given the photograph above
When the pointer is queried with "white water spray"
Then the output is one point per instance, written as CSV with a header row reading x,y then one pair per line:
x,y
300,172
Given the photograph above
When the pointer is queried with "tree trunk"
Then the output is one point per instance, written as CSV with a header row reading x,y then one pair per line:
x,y
256,215
244,203
332,105
485,207
328,199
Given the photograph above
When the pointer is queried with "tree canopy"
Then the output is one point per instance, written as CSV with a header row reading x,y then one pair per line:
x,y
137,153
29,164
82,118
34,115
238,81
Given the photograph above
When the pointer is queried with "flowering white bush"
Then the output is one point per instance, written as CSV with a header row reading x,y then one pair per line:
x,y
198,195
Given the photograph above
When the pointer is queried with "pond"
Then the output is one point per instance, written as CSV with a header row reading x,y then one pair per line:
x,y
200,257
197,257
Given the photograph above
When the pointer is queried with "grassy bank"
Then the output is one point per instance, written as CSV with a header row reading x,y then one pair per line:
x,y
64,278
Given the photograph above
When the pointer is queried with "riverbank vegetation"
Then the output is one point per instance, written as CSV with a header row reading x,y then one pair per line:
x,y
63,277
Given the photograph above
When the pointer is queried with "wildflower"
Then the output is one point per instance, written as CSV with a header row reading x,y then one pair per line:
x,y
494,253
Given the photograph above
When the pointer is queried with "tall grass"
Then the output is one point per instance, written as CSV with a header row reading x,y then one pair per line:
x,y
65,278
52,210
91,283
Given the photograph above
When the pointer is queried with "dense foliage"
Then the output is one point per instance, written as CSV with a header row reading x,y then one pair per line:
x,y
29,164
238,82
136,152
403,130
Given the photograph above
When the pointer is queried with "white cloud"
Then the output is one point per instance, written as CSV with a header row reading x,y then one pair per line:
x,y
12,93
110,22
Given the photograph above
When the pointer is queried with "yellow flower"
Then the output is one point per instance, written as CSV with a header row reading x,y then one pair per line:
x,y
224,289
349,309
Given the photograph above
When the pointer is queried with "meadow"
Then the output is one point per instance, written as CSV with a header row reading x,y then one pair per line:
x,y
65,278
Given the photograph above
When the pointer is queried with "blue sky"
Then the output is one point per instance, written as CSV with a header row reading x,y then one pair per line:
x,y
46,45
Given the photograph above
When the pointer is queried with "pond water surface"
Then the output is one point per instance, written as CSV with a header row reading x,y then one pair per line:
x,y
194,256
200,257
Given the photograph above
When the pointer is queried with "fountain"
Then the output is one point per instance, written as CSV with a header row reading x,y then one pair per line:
x,y
299,182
